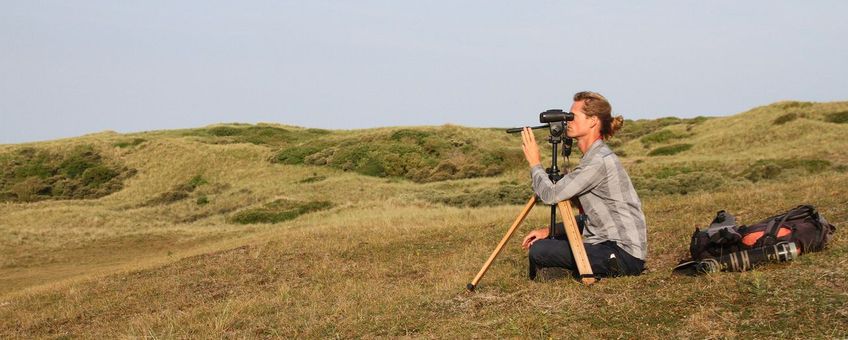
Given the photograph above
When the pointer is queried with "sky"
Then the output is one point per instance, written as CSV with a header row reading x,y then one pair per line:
x,y
69,68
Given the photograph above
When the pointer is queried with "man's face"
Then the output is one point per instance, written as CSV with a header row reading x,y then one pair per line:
x,y
582,124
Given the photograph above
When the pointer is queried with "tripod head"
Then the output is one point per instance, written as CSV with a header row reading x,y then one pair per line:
x,y
556,122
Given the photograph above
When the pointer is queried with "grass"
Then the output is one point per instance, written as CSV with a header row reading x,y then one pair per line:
x,y
392,256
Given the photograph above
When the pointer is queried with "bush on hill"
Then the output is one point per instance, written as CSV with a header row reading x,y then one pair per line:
x,y
417,155
503,194
31,174
837,117
670,150
634,129
278,211
660,137
129,143
179,192
766,169
786,118
254,134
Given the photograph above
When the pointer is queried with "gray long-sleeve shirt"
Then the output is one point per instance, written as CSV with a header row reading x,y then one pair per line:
x,y
608,198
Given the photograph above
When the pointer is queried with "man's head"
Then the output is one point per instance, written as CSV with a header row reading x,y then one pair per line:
x,y
593,112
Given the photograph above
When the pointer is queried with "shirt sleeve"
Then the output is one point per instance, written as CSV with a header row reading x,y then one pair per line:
x,y
579,181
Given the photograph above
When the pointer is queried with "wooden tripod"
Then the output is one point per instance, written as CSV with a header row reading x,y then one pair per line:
x,y
575,240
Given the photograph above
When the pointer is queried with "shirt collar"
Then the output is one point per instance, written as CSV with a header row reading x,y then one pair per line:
x,y
592,148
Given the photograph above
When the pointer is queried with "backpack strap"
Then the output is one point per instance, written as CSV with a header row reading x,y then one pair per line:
x,y
824,227
770,233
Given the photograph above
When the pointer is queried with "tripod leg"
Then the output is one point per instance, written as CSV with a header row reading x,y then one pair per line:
x,y
575,240
500,246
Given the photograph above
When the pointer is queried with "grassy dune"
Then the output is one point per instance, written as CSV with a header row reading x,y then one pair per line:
x,y
377,232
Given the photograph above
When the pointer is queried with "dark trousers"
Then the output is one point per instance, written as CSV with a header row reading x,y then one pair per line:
x,y
607,259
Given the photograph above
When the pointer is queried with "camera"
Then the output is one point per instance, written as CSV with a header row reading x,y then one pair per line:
x,y
553,116
554,119
557,120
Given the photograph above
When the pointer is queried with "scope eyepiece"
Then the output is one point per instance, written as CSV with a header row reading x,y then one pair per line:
x,y
553,116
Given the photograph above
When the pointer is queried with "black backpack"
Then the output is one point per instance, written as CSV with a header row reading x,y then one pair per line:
x,y
802,225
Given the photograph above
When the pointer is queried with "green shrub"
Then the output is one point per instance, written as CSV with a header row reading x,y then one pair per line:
x,y
255,134
786,118
202,200
793,105
768,169
417,155
31,189
681,183
278,211
837,117
178,192
38,167
80,159
670,150
225,131
98,175
661,136
698,120
296,154
266,135
129,143
503,194
319,131
312,179
30,174
636,129
409,135
196,181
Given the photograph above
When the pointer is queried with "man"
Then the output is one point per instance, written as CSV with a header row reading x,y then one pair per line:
x,y
615,233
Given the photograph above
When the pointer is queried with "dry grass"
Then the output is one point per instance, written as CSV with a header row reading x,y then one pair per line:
x,y
389,260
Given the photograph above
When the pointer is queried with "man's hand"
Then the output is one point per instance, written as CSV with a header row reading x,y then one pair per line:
x,y
534,236
531,149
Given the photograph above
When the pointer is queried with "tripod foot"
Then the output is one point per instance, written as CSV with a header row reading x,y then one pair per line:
x,y
470,287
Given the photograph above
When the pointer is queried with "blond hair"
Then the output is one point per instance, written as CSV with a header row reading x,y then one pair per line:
x,y
596,105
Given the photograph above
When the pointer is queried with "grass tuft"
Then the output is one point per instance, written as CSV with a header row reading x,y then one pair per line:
x,y
278,211
313,179
837,117
670,150
503,194
786,118
129,143
769,169
661,136
254,134
178,192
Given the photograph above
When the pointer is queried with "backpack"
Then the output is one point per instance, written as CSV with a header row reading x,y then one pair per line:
x,y
801,226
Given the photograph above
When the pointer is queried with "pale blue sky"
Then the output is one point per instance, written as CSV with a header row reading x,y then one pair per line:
x,y
73,67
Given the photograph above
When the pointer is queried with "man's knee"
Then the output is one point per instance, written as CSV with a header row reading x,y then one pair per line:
x,y
539,251
551,253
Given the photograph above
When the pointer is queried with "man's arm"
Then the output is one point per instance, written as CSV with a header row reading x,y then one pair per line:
x,y
582,179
